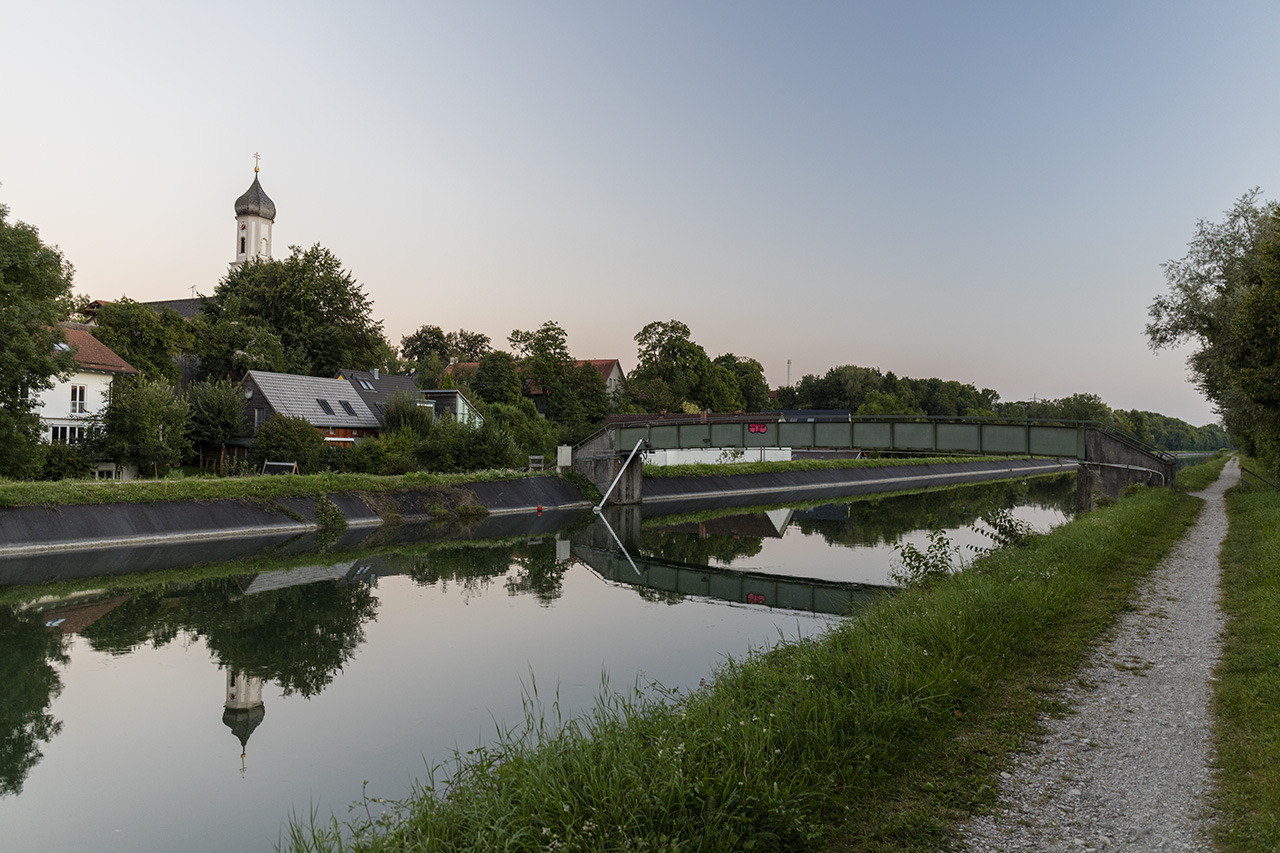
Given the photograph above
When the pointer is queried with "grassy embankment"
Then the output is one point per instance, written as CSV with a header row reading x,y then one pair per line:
x,y
732,468
1247,693
875,736
67,492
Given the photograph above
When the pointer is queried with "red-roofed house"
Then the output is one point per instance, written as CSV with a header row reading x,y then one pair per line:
x,y
66,409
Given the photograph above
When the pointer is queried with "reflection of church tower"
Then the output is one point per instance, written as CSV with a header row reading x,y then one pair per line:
x,y
244,708
255,213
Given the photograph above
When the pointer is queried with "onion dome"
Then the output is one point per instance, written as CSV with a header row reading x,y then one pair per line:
x,y
254,202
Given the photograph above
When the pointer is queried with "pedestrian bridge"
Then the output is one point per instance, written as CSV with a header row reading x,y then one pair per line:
x,y
1110,459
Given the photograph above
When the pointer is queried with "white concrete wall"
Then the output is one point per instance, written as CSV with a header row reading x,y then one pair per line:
x,y
717,456
55,404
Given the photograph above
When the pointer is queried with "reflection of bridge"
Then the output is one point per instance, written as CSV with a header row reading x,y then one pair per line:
x,y
1109,459
744,587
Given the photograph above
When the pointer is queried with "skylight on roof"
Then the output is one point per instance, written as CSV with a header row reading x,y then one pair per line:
x,y
365,384
324,404
347,408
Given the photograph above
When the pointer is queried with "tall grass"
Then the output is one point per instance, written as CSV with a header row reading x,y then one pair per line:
x,y
874,736
1247,693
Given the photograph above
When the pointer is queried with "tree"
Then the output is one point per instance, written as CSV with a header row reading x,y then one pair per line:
x,y
229,346
428,341
35,294
674,373
287,439
749,375
144,425
30,656
468,346
544,355
216,414
315,307
496,379
147,339
1211,293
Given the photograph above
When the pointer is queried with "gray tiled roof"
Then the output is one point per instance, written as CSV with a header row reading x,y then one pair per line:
x,y
297,396
384,387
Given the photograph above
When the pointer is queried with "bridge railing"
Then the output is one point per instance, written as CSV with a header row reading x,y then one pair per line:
x,y
891,433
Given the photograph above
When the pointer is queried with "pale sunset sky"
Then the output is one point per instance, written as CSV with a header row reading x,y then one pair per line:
x,y
979,191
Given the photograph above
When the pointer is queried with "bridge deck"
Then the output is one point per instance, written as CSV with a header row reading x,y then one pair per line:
x,y
979,438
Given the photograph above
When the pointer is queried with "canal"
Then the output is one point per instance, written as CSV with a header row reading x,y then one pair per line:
x,y
198,708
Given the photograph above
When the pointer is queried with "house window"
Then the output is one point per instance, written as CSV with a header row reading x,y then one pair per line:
x,y
259,417
58,435
346,407
324,405
77,400
365,384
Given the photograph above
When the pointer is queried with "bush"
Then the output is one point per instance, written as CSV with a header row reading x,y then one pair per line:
x,y
66,462
284,439
452,447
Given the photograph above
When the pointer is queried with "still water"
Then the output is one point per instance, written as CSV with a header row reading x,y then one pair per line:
x,y
201,712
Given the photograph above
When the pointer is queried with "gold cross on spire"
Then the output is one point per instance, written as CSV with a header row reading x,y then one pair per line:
x,y
255,161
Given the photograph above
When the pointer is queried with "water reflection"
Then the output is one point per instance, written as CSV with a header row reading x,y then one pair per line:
x,y
29,652
406,649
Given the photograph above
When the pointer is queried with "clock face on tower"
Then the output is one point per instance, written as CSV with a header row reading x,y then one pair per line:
x,y
242,226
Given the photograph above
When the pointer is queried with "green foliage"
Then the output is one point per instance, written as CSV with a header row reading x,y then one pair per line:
x,y
1224,297
673,371
454,447
316,309
403,412
287,439
532,433
328,516
217,411
918,568
149,340
143,425
496,380
431,342
234,342
35,295
66,462
866,391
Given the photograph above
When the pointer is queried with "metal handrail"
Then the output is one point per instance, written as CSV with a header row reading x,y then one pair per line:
x,y
1256,476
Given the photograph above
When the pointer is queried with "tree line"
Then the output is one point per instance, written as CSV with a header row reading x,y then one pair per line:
x,y
306,314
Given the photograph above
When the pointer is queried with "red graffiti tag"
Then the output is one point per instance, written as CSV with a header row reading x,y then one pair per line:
x,y
755,598
761,428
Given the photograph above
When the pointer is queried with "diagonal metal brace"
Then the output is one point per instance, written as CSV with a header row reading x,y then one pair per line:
x,y
625,465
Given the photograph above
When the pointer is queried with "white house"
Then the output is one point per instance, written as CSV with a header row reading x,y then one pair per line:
x,y
66,409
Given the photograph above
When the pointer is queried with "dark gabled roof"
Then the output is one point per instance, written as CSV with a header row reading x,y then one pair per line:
x,y
300,396
381,388
186,308
91,353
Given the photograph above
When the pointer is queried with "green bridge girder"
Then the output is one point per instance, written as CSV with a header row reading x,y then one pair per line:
x,y
976,437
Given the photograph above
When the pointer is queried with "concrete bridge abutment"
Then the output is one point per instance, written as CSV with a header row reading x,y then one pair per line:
x,y
600,460
1111,465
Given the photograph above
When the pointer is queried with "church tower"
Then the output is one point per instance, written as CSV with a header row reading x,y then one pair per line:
x,y
255,213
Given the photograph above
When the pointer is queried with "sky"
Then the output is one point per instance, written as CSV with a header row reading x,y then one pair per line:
x,y
978,191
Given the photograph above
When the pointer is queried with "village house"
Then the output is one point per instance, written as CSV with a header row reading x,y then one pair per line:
x,y
68,408
332,406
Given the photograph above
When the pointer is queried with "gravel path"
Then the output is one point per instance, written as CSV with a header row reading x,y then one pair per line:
x,y
1130,770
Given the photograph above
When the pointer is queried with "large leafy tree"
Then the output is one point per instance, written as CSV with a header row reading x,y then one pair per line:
x,y
145,424
496,379
675,374
318,311
149,340
216,415
35,294
1222,298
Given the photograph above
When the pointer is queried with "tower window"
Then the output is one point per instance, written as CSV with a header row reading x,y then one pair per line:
x,y
242,245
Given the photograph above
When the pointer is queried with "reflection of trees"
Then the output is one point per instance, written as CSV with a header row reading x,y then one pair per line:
x,y
473,567
299,636
537,571
147,617
690,548
28,652
880,520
